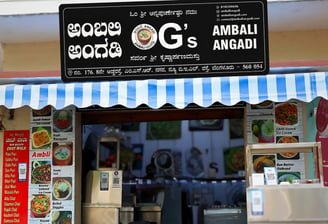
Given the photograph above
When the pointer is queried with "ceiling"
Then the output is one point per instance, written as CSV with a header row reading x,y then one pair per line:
x,y
37,20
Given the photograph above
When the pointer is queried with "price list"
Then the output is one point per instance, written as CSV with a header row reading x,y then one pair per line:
x,y
15,185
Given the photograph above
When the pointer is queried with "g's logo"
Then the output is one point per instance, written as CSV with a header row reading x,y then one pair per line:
x,y
144,36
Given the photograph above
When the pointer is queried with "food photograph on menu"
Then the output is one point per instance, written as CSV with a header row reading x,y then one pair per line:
x,y
261,161
62,153
286,114
287,139
41,172
40,206
288,156
41,137
62,120
61,217
62,188
288,176
263,131
264,105
46,111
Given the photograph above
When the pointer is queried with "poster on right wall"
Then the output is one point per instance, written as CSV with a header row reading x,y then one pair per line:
x,y
271,122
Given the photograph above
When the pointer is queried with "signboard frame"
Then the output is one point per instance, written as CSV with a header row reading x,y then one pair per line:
x,y
163,39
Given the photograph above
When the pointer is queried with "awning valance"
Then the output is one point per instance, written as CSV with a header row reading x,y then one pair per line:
x,y
177,92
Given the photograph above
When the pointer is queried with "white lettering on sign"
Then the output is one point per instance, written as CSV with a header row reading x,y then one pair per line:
x,y
176,37
87,51
229,30
105,49
236,43
97,29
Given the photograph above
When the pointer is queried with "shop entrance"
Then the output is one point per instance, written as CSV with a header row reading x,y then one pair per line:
x,y
189,160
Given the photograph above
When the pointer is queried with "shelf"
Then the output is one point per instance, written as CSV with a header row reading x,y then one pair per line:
x,y
311,150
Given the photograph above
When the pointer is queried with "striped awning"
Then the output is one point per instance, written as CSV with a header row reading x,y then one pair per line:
x,y
177,92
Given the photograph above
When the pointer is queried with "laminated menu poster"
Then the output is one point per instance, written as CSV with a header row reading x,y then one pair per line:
x,y
51,166
289,166
15,173
271,122
289,129
278,123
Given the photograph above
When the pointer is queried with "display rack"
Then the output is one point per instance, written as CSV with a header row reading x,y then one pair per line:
x,y
309,149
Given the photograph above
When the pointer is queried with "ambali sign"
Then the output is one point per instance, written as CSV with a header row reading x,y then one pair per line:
x,y
111,41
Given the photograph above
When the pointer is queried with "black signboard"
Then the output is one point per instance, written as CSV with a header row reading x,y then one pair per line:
x,y
156,39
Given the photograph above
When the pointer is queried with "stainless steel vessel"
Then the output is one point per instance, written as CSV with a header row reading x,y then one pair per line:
x,y
225,215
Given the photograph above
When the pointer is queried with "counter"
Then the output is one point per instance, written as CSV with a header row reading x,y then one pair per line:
x,y
294,203
99,214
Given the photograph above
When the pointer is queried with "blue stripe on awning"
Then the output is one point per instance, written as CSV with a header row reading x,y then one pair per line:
x,y
188,92
225,91
26,100
61,94
207,92
300,88
263,88
177,92
78,94
244,90
281,88
152,91
9,96
170,92
131,93
96,93
113,94
43,99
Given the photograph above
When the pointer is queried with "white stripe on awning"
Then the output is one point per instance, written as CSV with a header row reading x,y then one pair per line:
x,y
161,93
177,92
104,94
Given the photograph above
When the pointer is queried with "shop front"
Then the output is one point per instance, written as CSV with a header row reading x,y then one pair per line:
x,y
154,118
201,109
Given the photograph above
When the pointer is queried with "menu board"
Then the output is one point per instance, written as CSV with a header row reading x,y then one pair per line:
x,y
15,172
271,122
51,166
